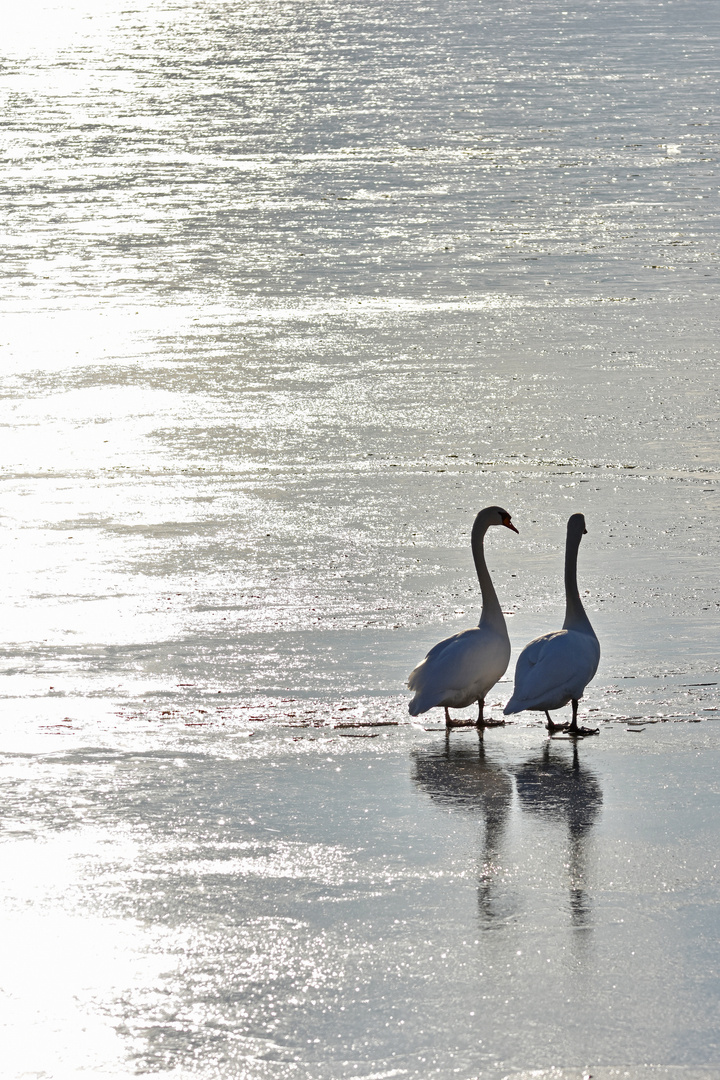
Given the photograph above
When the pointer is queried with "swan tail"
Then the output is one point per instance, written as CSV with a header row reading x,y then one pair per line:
x,y
415,678
425,698
513,706
420,705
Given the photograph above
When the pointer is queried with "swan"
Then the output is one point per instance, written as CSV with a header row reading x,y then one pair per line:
x,y
555,668
463,668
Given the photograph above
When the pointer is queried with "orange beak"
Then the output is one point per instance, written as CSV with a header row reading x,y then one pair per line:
x,y
509,525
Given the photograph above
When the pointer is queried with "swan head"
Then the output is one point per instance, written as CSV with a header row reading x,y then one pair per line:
x,y
576,526
494,515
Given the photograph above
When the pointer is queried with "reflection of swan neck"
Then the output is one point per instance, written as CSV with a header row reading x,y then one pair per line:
x,y
491,611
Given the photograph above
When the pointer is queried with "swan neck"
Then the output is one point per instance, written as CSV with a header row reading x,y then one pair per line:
x,y
575,615
491,610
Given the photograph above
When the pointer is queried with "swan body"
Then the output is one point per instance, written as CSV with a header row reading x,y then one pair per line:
x,y
459,670
462,669
555,668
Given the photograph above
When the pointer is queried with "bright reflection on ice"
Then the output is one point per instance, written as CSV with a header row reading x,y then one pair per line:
x,y
290,291
334,900
65,970
55,974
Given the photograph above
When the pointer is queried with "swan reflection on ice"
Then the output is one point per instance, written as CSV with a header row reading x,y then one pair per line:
x,y
550,786
554,788
470,780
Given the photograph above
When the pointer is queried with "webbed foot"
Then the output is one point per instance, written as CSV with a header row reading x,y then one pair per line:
x,y
482,721
552,726
581,732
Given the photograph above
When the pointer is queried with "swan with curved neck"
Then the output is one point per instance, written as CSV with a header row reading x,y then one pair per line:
x,y
463,668
555,669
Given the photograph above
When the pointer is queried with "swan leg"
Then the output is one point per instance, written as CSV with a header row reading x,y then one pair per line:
x,y
551,726
450,723
573,728
481,722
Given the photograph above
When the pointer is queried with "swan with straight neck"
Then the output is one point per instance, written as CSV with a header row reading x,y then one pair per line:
x,y
463,668
555,669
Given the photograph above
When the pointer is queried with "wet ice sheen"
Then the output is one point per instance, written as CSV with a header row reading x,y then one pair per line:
x,y
291,291
339,907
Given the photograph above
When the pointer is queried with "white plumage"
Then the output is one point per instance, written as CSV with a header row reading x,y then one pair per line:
x,y
555,669
463,668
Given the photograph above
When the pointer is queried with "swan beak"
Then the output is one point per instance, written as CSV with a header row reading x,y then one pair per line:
x,y
508,524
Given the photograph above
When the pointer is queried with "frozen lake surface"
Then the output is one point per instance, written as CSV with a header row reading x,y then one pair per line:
x,y
200,901
290,291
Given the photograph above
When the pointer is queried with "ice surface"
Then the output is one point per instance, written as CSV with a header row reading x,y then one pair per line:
x,y
290,292
303,903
